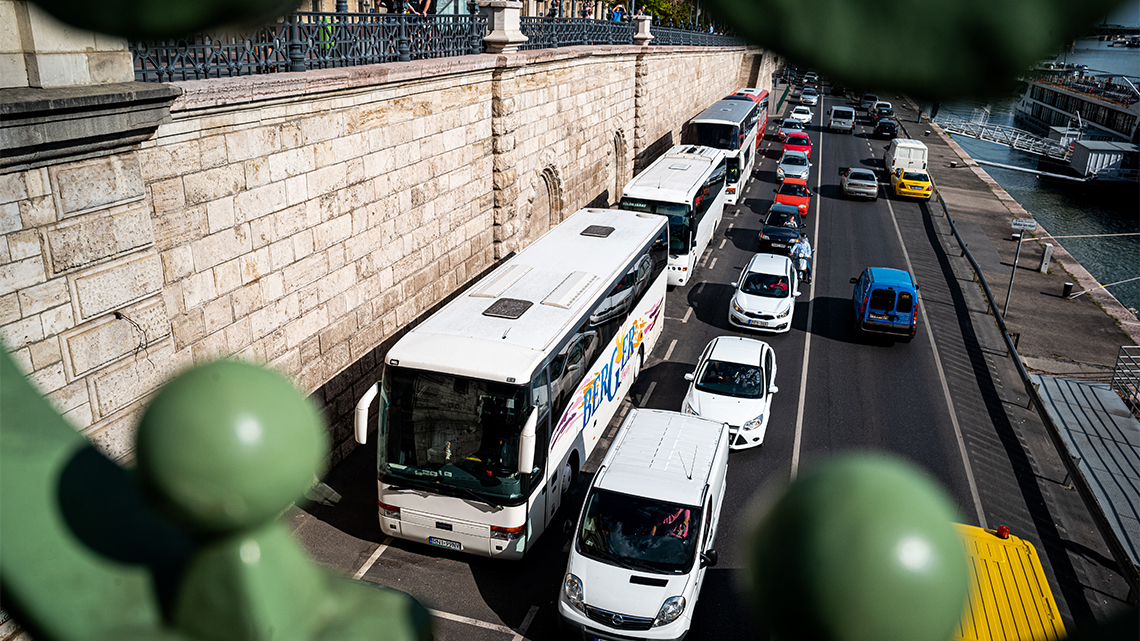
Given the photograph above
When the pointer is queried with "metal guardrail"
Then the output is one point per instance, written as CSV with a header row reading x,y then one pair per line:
x,y
303,41
672,36
1127,569
1004,135
1126,377
544,32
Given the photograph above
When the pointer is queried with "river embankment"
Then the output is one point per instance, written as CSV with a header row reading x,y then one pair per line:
x,y
1056,335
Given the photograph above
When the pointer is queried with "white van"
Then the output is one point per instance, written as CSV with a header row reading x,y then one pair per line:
x,y
905,153
646,531
841,119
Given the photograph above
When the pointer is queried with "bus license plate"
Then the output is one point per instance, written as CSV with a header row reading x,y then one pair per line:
x,y
444,543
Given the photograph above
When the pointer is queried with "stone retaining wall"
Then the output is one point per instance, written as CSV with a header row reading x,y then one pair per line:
x,y
302,220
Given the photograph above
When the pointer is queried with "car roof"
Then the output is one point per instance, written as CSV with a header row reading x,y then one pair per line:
x,y
796,181
737,349
861,170
782,208
768,264
800,107
793,152
662,455
891,276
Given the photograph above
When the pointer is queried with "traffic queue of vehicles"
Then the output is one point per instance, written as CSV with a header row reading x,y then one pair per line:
x,y
499,397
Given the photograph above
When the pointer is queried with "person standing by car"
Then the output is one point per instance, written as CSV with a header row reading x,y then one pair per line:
x,y
801,253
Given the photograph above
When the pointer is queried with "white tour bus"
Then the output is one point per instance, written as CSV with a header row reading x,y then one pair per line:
x,y
490,406
686,184
731,125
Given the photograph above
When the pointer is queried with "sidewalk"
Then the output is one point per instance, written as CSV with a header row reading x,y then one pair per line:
x,y
1078,338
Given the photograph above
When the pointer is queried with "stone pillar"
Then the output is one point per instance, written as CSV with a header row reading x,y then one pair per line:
x,y
503,20
505,178
642,36
36,50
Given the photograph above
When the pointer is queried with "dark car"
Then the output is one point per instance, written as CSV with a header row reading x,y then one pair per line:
x,y
782,226
883,113
886,129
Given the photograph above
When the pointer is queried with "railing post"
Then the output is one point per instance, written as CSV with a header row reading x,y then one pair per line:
x,y
641,34
296,53
476,37
403,47
503,19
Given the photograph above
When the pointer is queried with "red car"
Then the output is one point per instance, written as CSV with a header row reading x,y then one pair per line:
x,y
798,142
794,192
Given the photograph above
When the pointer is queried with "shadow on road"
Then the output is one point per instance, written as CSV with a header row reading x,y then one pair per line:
x,y
710,304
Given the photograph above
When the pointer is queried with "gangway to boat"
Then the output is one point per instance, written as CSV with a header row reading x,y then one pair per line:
x,y
1003,135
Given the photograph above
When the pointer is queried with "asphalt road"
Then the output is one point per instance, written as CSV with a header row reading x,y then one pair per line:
x,y
915,400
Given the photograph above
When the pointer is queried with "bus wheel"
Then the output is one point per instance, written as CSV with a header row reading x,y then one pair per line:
x,y
637,366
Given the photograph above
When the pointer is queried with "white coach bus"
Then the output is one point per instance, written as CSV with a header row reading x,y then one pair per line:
x,y
732,126
686,184
489,408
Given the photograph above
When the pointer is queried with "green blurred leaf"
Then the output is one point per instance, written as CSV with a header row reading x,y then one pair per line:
x,y
159,19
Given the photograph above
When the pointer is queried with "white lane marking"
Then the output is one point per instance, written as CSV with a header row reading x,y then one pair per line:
x,y
945,387
363,569
688,313
526,623
469,621
713,263
648,393
669,352
811,311
722,242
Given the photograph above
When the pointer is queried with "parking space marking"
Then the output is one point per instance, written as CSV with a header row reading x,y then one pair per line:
x,y
648,393
363,569
526,623
945,387
688,313
669,352
722,242
713,263
469,621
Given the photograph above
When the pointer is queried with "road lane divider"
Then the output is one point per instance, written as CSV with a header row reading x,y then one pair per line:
x,y
942,379
367,565
526,624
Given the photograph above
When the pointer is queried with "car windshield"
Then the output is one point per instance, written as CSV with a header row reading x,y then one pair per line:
x,y
795,125
915,176
766,285
801,110
882,300
680,220
782,219
861,174
795,160
639,533
801,141
793,189
738,380
809,91
453,434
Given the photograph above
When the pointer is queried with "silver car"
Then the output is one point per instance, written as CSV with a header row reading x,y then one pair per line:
x,y
859,182
809,96
793,164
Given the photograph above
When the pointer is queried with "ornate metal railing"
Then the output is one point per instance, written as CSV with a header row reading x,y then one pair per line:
x,y
310,40
675,36
551,33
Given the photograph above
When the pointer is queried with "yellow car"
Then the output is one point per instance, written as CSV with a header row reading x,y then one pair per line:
x,y
911,183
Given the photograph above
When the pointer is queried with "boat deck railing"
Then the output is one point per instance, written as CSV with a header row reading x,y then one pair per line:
x,y
1004,135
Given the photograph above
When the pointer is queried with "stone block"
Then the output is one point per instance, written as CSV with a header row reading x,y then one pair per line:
x,y
254,265
251,143
84,239
169,161
218,314
198,289
45,353
10,220
116,438
24,244
111,285
167,195
57,320
22,333
95,184
291,163
188,328
107,339
256,172
221,247
48,379
325,180
337,333
310,349
246,300
306,271
117,386
212,151
34,300
21,274
12,187
177,263
296,190
9,308
180,227
69,396
262,201
213,184
37,211
227,276
80,417
302,243
307,325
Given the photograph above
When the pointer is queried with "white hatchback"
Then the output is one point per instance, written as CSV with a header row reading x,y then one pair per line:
x,y
765,294
733,383
802,114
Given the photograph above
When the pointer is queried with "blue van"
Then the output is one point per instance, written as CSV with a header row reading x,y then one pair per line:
x,y
886,302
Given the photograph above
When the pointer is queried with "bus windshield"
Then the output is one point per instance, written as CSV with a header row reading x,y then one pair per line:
x,y
453,435
715,134
641,533
680,221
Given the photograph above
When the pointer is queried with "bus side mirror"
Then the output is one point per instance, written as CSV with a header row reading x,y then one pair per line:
x,y
361,425
527,443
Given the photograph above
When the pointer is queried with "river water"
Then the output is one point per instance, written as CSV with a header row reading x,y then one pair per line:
x,y
1067,209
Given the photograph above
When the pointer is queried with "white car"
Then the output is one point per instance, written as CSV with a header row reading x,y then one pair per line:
x,y
793,164
809,96
802,114
765,294
733,383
